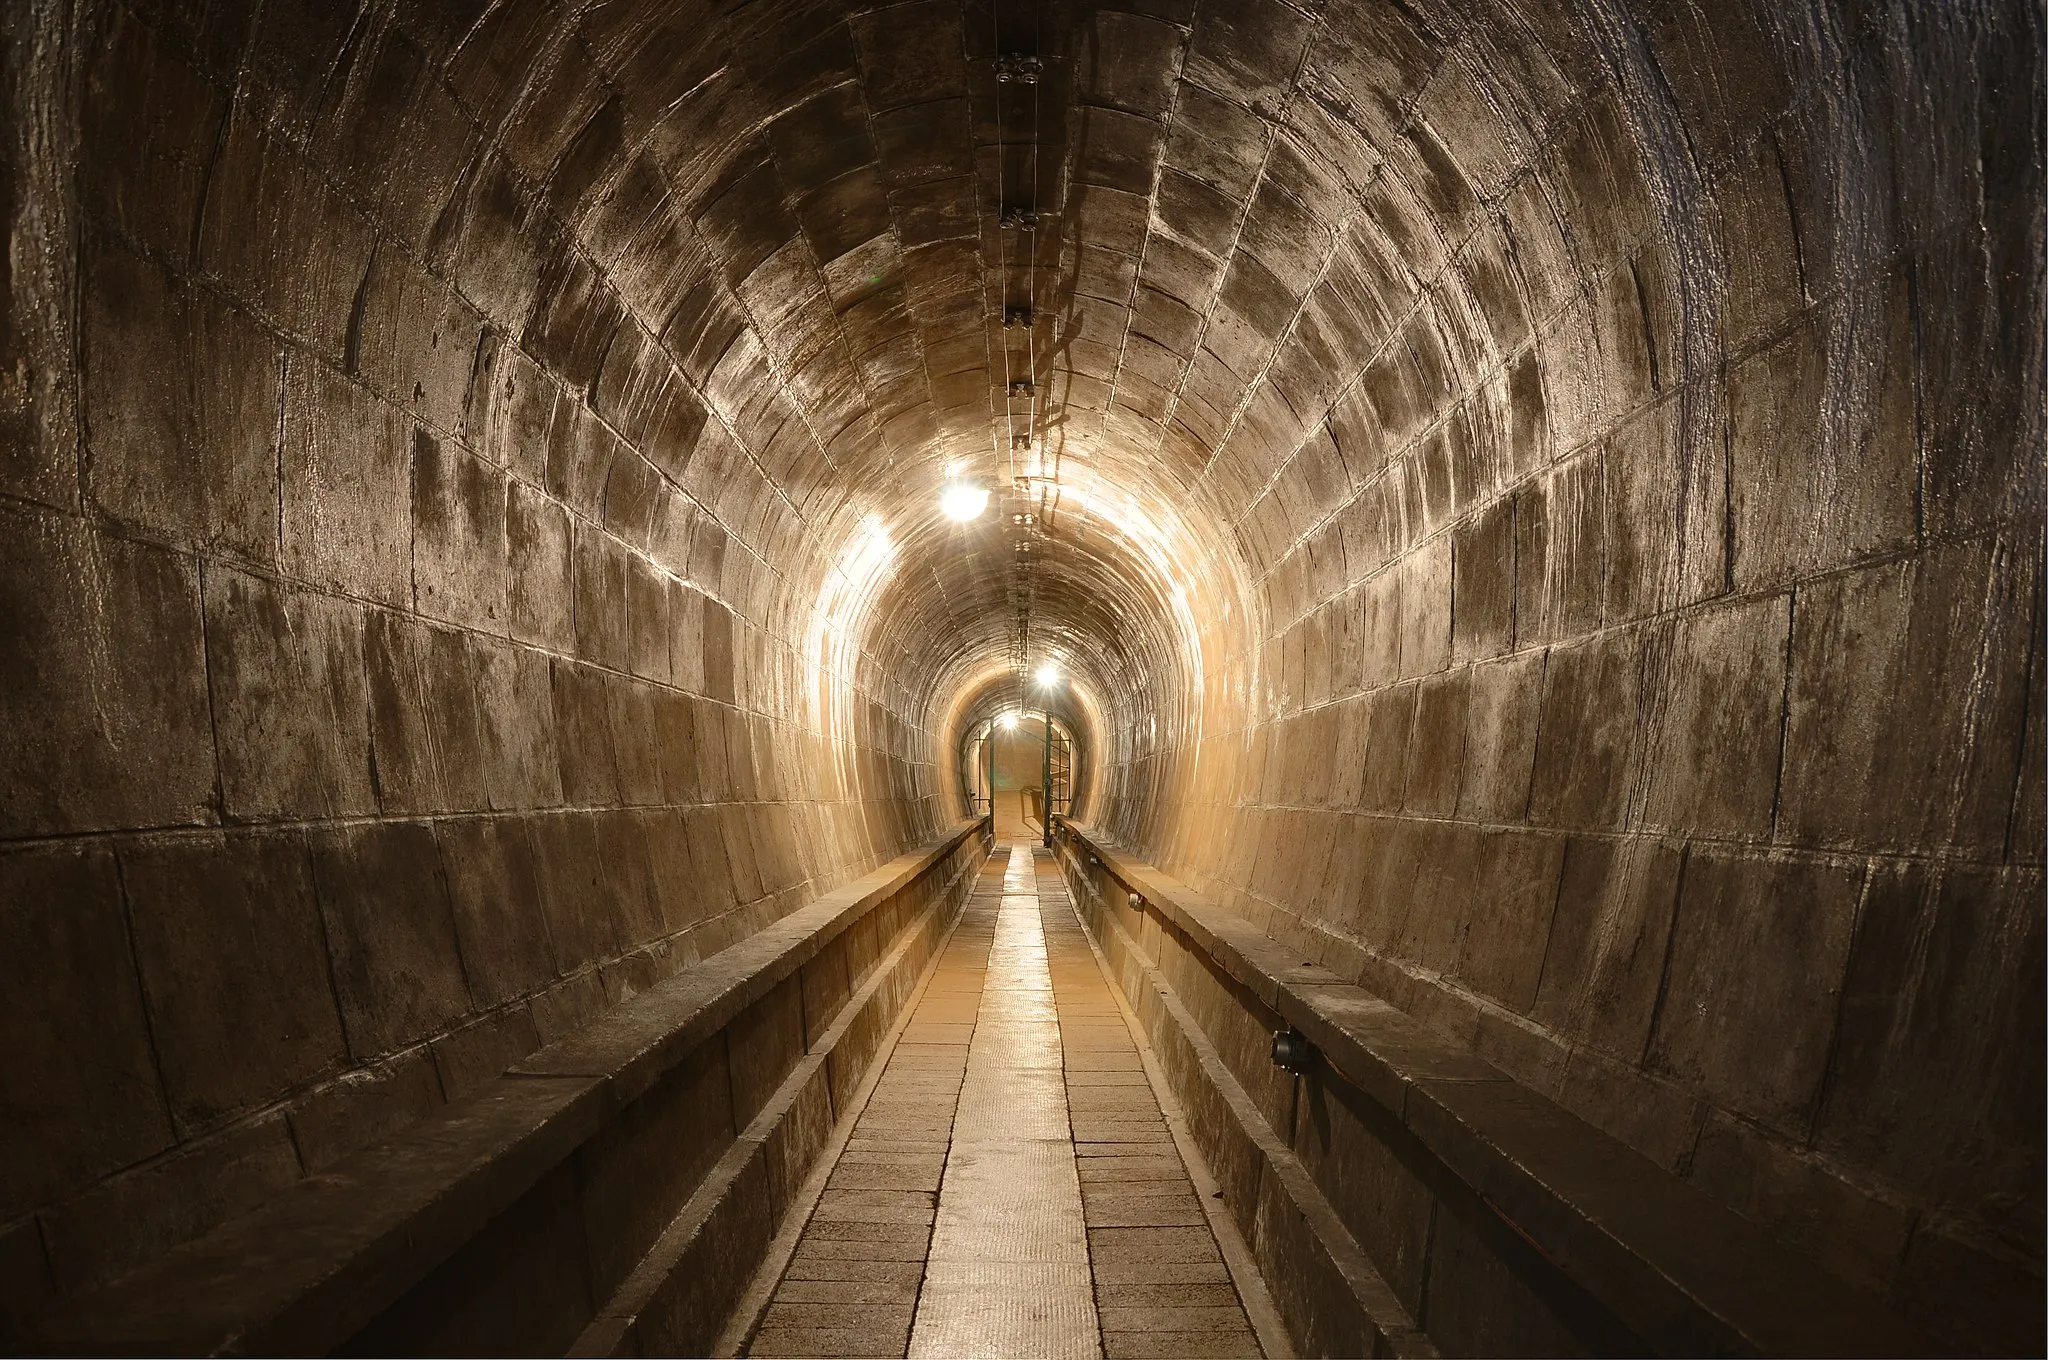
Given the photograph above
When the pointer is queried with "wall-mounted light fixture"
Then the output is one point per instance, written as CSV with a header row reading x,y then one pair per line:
x,y
1292,1052
1009,722
1021,68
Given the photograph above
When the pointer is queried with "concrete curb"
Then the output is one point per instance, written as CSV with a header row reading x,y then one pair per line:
x,y
313,1267
1679,1271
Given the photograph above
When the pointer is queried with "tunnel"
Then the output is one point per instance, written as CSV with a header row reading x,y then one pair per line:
x,y
1092,678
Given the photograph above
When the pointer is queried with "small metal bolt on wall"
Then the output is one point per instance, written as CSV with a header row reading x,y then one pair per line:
x,y
1137,902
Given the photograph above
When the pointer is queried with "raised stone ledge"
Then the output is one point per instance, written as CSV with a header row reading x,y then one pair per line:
x,y
1685,1274
311,1269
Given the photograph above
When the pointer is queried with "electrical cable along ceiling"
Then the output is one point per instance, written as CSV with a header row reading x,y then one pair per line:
x,y
1236,311
1092,553
1470,443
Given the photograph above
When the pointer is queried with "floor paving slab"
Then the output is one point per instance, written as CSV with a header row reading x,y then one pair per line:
x,y
1012,1186
869,1176
839,1292
805,1268
1177,1346
1128,1170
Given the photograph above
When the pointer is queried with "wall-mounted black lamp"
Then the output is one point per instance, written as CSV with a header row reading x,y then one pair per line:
x,y
1292,1052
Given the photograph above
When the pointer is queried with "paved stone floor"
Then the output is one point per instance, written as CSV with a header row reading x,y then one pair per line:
x,y
1011,1188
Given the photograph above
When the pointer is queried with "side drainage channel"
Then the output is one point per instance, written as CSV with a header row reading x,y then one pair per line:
x,y
749,1314
1014,1176
1237,1256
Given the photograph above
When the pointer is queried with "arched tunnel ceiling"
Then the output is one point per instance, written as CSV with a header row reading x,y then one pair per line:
x,y
1537,506
1274,251
1241,209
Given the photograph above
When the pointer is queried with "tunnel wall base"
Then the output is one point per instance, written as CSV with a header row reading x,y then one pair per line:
x,y
613,1192
1495,1220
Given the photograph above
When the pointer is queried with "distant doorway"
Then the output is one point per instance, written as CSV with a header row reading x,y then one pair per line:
x,y
1004,770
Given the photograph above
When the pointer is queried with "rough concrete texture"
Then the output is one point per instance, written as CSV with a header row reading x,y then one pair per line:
x,y
1401,1191
1535,505
624,1179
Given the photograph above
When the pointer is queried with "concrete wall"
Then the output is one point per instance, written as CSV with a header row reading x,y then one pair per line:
x,y
614,1193
1650,692
1401,1193
390,673
1020,755
1544,513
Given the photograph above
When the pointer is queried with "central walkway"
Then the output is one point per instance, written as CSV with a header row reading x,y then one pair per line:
x,y
1011,1188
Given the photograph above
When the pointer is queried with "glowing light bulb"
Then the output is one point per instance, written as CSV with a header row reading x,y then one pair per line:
x,y
963,500
1048,675
1009,722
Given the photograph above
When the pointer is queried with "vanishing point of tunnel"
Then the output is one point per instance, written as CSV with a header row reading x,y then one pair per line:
x,y
1083,678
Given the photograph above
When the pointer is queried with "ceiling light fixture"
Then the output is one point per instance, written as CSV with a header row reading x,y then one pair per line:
x,y
963,501
1021,67
1009,722
1048,675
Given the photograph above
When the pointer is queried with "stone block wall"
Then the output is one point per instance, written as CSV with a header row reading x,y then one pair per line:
x,y
1649,691
1392,1184
392,663
615,1190
1545,509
